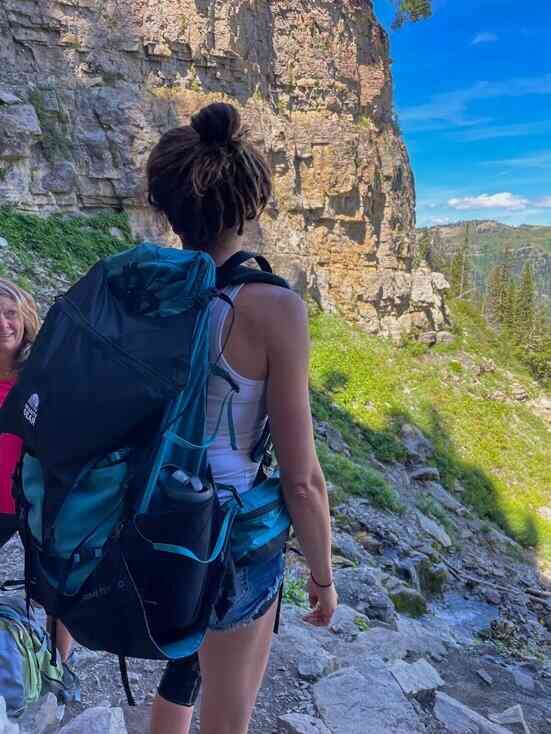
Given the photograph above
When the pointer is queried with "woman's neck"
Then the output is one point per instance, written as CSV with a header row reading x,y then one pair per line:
x,y
7,367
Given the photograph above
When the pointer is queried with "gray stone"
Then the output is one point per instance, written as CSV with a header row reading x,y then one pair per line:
x,y
8,97
360,588
46,716
97,720
416,677
420,641
417,445
312,667
3,243
445,337
19,129
384,643
524,680
301,724
425,474
351,702
447,500
429,337
492,596
460,719
348,622
408,601
345,545
511,716
432,528
486,677
116,233
6,726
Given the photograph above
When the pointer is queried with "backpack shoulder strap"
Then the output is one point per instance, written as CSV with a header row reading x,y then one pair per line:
x,y
234,272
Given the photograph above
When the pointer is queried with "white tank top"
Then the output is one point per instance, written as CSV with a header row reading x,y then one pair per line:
x,y
249,409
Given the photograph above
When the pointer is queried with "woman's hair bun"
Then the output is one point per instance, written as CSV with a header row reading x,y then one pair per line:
x,y
217,124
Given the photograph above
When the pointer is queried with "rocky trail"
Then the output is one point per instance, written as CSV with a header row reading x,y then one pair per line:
x,y
440,630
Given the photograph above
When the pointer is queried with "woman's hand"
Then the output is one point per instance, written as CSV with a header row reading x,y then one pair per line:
x,y
323,602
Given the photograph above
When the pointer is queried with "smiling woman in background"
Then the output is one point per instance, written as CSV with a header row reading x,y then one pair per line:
x,y
19,324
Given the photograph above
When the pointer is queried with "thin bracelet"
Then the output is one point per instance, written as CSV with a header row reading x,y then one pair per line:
x,y
320,586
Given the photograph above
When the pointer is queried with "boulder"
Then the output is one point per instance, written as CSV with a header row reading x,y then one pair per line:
x,y
441,495
346,546
425,474
370,702
6,726
315,665
417,445
348,623
519,392
360,588
386,644
460,719
41,717
408,601
420,641
432,528
301,724
417,677
513,716
523,679
97,720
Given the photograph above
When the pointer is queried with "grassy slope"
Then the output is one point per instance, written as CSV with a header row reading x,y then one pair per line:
x,y
498,450
64,245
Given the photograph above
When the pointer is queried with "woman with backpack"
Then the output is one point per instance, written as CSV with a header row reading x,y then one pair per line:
x,y
19,324
209,180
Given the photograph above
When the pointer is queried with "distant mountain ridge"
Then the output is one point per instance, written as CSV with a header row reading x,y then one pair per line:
x,y
489,241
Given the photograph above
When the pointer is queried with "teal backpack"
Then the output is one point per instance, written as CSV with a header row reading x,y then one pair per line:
x,y
125,538
28,668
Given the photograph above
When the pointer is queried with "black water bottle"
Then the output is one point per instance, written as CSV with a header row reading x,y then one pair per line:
x,y
185,517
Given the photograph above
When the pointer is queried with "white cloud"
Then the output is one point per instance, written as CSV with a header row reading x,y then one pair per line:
x,y
450,109
504,200
484,38
440,220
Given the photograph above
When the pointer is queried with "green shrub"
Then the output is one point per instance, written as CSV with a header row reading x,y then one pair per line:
x,y
359,481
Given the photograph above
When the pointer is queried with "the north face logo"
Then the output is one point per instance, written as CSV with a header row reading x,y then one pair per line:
x,y
30,411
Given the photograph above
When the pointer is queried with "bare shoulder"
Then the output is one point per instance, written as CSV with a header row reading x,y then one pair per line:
x,y
272,307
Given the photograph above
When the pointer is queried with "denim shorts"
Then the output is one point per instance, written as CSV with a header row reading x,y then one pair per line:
x,y
256,587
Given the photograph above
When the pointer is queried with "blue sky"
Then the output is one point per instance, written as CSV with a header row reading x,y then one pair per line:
x,y
473,96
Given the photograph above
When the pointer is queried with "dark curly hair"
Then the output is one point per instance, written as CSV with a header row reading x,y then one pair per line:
x,y
208,177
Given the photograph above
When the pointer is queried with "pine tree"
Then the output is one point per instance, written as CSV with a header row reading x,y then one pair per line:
x,y
525,303
461,269
494,295
509,303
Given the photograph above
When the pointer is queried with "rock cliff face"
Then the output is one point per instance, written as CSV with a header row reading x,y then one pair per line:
x,y
87,86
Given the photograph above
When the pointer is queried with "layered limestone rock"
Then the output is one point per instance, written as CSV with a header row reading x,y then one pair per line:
x,y
87,86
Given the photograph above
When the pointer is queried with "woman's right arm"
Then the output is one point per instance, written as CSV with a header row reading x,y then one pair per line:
x,y
288,350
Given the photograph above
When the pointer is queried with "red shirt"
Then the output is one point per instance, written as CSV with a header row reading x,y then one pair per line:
x,y
10,451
